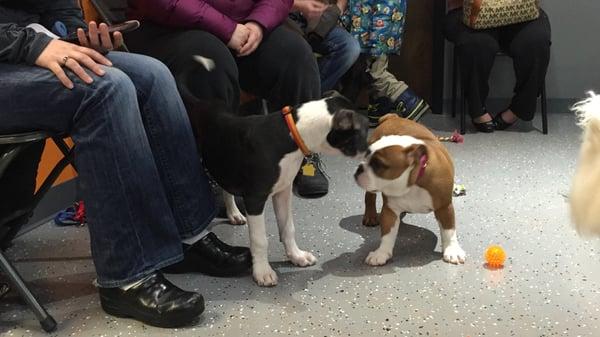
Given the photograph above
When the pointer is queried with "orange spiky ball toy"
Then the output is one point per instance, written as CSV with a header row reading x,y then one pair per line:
x,y
495,256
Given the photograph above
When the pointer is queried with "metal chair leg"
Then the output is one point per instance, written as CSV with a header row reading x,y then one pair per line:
x,y
544,109
454,81
463,107
46,321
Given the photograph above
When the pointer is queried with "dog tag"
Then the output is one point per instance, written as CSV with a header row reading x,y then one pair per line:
x,y
308,170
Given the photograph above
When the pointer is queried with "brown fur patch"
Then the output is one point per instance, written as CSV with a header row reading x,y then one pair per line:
x,y
387,219
370,217
445,216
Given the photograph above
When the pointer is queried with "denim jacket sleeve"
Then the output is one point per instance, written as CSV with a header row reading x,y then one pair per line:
x,y
20,44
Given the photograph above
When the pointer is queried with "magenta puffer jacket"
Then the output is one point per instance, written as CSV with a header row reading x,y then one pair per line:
x,y
218,17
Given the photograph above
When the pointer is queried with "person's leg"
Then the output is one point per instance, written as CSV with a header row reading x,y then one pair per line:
x,y
133,231
342,51
529,46
282,69
388,94
175,48
383,83
476,50
184,179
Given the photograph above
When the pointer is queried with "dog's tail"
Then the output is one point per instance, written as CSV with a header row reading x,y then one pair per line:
x,y
585,192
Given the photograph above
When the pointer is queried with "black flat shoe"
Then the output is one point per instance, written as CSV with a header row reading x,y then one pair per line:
x,y
214,257
500,124
155,301
486,127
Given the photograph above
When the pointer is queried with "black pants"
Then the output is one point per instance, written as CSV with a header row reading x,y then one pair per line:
x,y
282,69
527,43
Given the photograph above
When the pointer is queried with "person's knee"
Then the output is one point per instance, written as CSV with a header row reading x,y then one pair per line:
x,y
209,46
114,83
352,50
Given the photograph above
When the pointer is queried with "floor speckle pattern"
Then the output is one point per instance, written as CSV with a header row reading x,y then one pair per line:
x,y
517,185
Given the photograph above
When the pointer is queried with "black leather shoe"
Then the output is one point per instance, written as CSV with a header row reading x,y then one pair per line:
x,y
311,182
486,127
214,257
500,124
156,302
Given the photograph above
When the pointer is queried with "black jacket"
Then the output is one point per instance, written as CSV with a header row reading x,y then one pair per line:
x,y
23,45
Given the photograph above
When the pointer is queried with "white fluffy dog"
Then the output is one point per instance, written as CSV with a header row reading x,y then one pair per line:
x,y
585,193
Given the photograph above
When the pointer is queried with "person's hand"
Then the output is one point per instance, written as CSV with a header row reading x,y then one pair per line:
x,y
254,39
239,38
59,54
99,37
310,9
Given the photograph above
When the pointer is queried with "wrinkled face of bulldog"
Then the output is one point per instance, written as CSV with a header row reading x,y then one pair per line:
x,y
349,129
388,164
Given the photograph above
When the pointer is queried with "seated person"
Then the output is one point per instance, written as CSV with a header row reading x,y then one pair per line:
x,y
379,25
250,47
338,49
147,198
527,43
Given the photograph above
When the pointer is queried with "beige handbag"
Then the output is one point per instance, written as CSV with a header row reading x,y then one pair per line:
x,y
483,14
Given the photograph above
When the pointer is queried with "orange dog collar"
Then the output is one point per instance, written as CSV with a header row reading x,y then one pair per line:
x,y
289,120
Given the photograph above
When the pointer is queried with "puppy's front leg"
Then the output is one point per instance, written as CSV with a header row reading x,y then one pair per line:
x,y
452,251
370,216
262,272
389,222
233,212
282,203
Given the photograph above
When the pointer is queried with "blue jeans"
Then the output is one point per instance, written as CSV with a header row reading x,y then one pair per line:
x,y
139,172
343,50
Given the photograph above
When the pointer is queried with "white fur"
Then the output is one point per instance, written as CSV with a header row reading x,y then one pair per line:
x,y
585,192
262,272
403,198
369,181
451,249
314,123
381,255
233,212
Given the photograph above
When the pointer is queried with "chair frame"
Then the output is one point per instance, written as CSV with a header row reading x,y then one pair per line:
x,y
456,79
16,144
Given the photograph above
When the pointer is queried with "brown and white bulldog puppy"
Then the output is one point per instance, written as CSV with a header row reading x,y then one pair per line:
x,y
415,174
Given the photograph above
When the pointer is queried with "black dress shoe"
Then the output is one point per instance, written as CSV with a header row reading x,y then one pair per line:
x,y
486,127
311,181
155,301
500,124
214,257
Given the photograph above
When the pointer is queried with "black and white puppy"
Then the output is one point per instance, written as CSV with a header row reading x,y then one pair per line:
x,y
256,157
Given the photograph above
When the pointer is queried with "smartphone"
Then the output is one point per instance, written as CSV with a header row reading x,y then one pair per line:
x,y
123,27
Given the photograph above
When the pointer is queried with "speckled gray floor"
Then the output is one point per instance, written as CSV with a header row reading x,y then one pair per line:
x,y
516,186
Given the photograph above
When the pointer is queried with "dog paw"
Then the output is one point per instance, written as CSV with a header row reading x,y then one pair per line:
x,y
370,220
378,258
454,254
265,276
236,218
302,258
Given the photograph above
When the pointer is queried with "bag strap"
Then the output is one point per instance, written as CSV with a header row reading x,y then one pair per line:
x,y
475,10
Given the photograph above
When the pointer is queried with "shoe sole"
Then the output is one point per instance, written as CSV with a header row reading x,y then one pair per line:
x,y
416,115
176,320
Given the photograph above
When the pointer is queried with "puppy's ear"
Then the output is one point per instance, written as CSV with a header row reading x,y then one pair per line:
x,y
331,93
346,119
415,153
